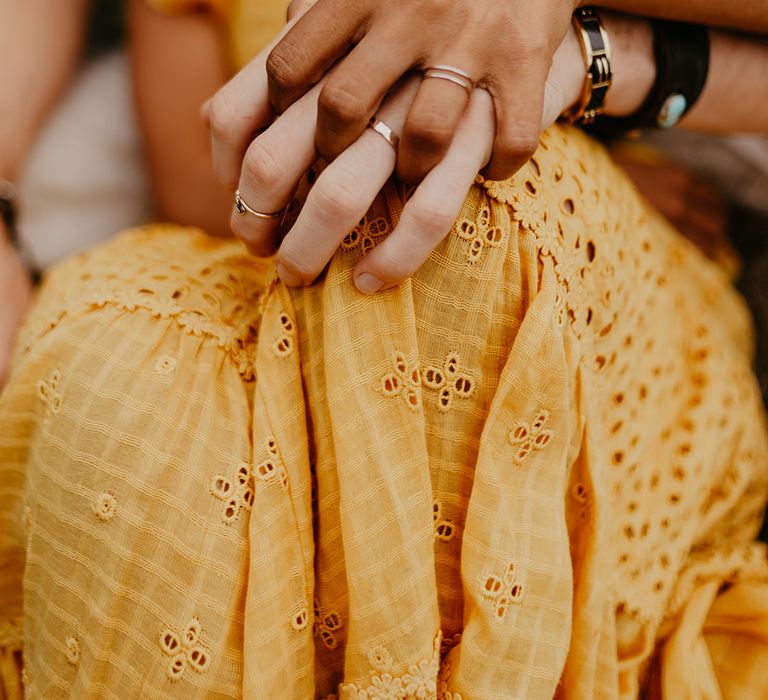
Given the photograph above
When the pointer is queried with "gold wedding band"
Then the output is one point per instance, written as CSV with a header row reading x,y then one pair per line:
x,y
243,208
452,74
381,128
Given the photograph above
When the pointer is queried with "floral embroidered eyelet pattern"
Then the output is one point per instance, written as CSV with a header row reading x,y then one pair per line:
x,y
502,591
450,381
444,529
185,650
237,493
300,620
326,626
286,341
104,507
271,469
73,651
528,437
366,235
479,234
47,392
448,643
219,302
444,692
165,365
419,682
403,382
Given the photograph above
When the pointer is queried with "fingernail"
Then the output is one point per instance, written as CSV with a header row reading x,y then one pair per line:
x,y
291,279
367,283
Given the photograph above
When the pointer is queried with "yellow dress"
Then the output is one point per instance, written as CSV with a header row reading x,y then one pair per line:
x,y
534,470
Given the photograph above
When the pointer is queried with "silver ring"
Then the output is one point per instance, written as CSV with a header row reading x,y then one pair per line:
x,y
381,128
452,74
243,208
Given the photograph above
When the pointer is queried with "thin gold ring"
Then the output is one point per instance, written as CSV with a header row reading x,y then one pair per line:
x,y
243,208
454,75
382,129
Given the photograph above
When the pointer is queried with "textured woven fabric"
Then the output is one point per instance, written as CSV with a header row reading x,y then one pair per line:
x,y
536,469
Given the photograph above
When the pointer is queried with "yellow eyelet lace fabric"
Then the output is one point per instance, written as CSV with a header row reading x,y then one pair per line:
x,y
534,470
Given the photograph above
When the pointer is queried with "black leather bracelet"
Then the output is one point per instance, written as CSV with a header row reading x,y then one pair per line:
x,y
681,52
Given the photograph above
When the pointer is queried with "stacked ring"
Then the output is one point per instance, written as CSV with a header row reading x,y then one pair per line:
x,y
243,208
451,73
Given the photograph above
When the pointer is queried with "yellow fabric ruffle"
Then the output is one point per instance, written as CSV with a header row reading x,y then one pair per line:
x,y
545,485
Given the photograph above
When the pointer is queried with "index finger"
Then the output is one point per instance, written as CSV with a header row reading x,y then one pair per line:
x,y
237,112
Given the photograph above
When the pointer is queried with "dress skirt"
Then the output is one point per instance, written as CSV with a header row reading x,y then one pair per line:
x,y
534,470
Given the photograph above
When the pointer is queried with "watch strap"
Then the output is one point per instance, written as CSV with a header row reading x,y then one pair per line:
x,y
596,50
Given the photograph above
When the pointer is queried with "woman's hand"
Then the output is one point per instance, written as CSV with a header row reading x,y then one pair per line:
x,y
507,47
16,293
279,157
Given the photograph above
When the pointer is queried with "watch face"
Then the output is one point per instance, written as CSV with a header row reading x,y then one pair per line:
x,y
671,111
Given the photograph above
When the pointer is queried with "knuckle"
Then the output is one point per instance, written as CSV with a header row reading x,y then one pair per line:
x,y
517,146
262,167
428,132
281,67
432,217
223,115
342,103
335,199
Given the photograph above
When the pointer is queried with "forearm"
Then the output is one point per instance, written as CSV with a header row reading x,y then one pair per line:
x,y
40,42
747,15
178,62
735,96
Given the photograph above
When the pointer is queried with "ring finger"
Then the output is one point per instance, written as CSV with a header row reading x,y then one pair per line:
x,y
272,166
342,195
434,117
430,213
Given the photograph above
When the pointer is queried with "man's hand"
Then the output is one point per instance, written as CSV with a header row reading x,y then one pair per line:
x,y
15,297
507,47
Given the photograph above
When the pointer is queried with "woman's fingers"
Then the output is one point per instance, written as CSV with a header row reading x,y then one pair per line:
x,y
342,195
430,213
273,165
236,113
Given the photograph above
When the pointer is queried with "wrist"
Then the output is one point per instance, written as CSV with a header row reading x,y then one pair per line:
x,y
634,67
